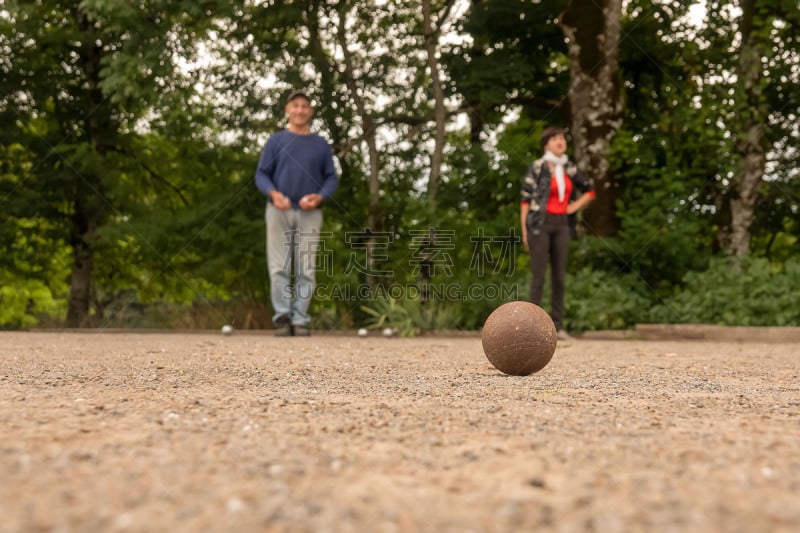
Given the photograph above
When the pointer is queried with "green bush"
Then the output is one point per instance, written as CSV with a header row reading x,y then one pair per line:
x,y
746,292
599,300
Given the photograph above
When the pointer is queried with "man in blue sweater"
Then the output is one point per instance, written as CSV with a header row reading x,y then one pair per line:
x,y
296,174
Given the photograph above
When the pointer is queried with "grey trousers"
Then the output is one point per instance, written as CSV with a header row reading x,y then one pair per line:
x,y
292,242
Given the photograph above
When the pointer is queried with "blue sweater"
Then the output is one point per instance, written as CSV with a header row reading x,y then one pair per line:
x,y
296,165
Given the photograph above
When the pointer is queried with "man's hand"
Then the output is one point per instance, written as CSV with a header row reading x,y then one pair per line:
x,y
310,201
280,200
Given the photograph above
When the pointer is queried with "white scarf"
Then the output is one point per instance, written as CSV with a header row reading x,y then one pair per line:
x,y
559,162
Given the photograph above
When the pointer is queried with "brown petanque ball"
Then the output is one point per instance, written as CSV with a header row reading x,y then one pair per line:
x,y
519,338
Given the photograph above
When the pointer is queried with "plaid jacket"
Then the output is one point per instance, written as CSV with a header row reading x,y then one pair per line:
x,y
536,190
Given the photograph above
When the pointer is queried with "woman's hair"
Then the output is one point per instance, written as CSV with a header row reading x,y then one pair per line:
x,y
550,132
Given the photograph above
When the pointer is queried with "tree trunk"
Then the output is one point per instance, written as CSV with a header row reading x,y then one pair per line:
x,y
592,29
86,215
368,127
431,36
744,193
82,237
744,198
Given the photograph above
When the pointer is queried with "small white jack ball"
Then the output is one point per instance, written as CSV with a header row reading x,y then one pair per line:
x,y
362,332
387,332
227,329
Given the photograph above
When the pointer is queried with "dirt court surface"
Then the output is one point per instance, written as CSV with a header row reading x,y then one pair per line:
x,y
200,432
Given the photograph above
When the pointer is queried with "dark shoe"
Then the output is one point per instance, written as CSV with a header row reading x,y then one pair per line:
x,y
283,327
302,331
283,331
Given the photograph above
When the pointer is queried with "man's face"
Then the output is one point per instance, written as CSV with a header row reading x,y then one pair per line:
x,y
299,112
556,144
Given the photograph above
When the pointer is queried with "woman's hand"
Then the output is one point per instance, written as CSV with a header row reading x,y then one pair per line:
x,y
580,203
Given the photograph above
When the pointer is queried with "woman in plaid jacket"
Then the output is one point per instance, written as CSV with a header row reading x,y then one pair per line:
x,y
553,191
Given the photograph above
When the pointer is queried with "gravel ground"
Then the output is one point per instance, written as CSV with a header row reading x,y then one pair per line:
x,y
190,432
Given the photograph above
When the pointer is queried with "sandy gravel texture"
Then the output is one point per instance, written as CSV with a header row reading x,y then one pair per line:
x,y
200,432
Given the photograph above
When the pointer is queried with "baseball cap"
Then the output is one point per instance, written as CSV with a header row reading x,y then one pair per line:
x,y
298,94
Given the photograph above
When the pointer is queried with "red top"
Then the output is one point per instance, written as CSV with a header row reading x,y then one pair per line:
x,y
554,207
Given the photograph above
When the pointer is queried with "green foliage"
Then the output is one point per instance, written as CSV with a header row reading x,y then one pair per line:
x,y
387,312
776,229
513,54
24,302
33,272
599,300
750,292
410,317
